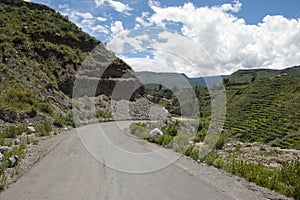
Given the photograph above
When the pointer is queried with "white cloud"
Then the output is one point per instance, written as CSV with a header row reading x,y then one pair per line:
x,y
100,29
116,27
229,41
116,5
101,19
236,7
85,15
75,15
99,2
170,52
63,6
87,22
118,41
142,20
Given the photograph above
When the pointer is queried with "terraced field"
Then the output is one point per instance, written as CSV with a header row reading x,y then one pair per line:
x,y
266,110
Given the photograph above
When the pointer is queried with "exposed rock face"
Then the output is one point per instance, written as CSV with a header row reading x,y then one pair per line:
x,y
103,73
44,58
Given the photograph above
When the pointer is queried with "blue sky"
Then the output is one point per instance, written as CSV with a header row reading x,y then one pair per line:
x,y
196,37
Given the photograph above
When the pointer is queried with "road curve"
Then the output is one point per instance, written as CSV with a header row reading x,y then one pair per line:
x,y
71,171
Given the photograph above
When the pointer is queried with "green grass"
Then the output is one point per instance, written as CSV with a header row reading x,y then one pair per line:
x,y
19,151
13,131
43,129
103,114
265,111
60,121
284,180
36,45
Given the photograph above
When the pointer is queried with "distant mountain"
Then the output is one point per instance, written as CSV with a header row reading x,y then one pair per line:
x,y
155,80
247,76
209,80
178,80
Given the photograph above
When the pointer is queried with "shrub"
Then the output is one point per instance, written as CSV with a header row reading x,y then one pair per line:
x,y
133,127
32,112
193,152
220,142
103,114
45,107
164,140
211,157
13,131
69,120
172,131
200,136
44,129
59,122
180,143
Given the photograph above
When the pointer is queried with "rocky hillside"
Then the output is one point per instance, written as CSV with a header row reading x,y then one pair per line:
x,y
265,109
41,53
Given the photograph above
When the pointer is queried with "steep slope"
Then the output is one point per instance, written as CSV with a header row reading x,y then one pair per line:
x,y
267,110
40,55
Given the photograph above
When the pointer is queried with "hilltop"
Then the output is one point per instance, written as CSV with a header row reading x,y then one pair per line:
x,y
41,53
244,76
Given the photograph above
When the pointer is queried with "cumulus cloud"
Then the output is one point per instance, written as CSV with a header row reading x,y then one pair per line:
x,y
101,19
116,27
215,40
87,21
142,20
164,51
236,7
99,2
230,42
86,15
116,5
63,6
100,29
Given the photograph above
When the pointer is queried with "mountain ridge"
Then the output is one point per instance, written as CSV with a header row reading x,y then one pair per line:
x,y
41,54
244,76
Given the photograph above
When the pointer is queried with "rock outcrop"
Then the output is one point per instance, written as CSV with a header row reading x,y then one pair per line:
x,y
103,73
45,60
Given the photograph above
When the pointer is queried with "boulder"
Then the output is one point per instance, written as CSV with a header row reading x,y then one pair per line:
x,y
13,161
155,133
17,142
4,149
31,128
